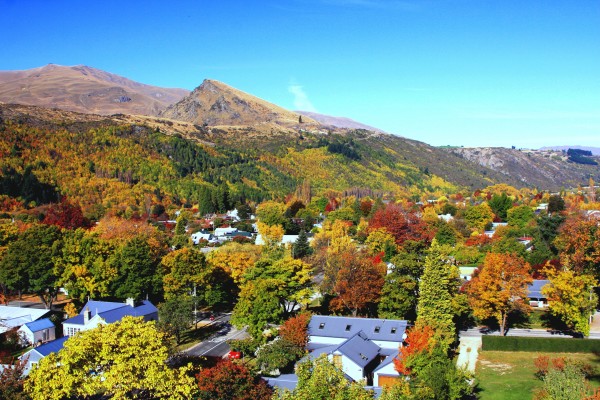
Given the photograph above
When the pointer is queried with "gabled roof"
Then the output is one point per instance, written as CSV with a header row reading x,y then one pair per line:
x,y
112,312
40,325
388,360
390,330
534,290
51,347
359,349
12,317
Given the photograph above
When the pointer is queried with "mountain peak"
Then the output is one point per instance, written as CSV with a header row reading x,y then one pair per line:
x,y
215,103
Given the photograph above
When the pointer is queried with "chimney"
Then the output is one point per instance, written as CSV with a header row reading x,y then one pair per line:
x,y
87,315
130,302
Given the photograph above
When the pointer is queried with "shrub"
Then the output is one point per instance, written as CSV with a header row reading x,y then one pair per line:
x,y
547,345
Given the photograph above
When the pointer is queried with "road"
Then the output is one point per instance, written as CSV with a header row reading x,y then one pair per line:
x,y
216,345
473,332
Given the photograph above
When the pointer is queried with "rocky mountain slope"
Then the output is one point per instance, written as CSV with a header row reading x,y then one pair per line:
x,y
84,89
537,168
214,103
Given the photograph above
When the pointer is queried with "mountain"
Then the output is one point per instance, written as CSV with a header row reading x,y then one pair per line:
x,y
595,150
214,103
338,122
547,169
84,89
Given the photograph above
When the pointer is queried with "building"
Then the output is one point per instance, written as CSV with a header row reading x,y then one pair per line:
x,y
40,331
362,348
96,313
535,295
12,317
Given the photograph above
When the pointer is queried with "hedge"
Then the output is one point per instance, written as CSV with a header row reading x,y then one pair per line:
x,y
548,345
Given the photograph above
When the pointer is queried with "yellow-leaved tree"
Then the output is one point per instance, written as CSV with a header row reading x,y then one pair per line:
x,y
571,297
123,360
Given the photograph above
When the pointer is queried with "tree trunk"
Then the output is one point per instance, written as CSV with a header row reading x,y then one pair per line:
x,y
502,324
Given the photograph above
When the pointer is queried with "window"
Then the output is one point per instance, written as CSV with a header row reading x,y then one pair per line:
x,y
393,330
377,328
348,327
322,325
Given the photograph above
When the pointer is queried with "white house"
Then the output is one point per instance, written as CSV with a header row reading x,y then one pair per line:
x,y
96,313
222,232
40,331
34,355
285,239
198,236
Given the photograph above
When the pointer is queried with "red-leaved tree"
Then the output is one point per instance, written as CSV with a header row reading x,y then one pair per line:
x,y
418,342
402,224
294,330
230,381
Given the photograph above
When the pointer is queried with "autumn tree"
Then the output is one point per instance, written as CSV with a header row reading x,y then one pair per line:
x,y
500,287
65,215
438,286
571,297
578,242
478,217
12,378
358,284
231,381
294,329
380,241
234,258
403,224
432,374
126,359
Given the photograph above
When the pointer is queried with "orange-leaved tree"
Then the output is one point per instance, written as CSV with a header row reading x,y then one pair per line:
x,y
500,287
419,341
295,330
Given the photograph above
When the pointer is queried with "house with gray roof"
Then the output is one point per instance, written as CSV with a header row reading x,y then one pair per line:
x,y
535,295
96,313
362,348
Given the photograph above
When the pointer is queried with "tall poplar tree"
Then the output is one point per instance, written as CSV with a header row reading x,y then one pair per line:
x,y
438,286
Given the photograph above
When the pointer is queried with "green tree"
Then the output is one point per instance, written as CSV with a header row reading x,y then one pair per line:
x,y
176,315
126,359
28,264
478,217
137,267
556,204
320,380
438,286
500,204
301,248
401,288
520,216
278,354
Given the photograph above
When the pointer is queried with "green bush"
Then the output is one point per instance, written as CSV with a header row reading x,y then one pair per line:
x,y
549,345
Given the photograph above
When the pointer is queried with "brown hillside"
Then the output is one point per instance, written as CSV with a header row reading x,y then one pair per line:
x,y
84,89
216,104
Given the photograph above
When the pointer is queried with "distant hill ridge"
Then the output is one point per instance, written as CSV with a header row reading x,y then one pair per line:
x,y
595,150
84,89
338,122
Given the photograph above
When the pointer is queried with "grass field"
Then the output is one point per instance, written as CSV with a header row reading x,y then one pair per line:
x,y
511,375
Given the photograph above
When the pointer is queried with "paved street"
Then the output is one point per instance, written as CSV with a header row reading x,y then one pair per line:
x,y
216,345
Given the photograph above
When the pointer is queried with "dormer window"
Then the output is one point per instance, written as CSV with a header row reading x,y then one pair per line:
x,y
377,328
322,325
348,327
393,331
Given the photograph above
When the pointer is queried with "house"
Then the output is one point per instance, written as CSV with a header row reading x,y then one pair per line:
x,y
202,235
285,239
96,313
12,317
363,348
466,272
40,331
34,355
535,295
221,232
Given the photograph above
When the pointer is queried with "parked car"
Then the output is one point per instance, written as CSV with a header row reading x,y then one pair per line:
x,y
234,355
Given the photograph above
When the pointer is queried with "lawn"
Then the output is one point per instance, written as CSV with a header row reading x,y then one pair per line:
x,y
511,375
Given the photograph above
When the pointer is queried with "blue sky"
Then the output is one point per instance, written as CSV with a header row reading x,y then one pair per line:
x,y
460,72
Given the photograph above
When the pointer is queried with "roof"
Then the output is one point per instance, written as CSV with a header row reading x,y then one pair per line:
x,y
12,317
359,349
390,330
388,360
112,312
534,290
51,347
40,325
285,381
